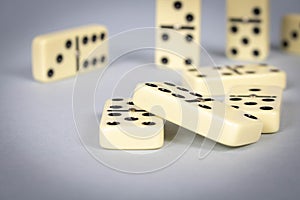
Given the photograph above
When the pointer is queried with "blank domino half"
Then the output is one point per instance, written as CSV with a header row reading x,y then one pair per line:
x,y
125,126
205,116
219,80
263,102
290,33
178,33
62,54
248,29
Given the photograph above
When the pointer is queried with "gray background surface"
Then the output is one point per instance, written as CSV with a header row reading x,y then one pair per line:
x,y
41,156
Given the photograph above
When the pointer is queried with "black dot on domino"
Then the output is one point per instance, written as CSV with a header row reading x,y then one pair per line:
x,y
59,58
102,36
205,106
182,89
178,96
189,17
115,107
250,103
256,30
234,51
148,114
114,114
130,103
148,123
234,29
268,100
235,99
165,37
85,40
250,116
236,107
169,84
94,38
195,94
226,74
256,11
285,43
117,99
245,41
68,44
294,35
189,38
274,70
254,89
94,61
85,64
164,90
188,61
177,5
151,85
131,118
250,72
266,108
50,73
256,53
164,60
113,123
102,59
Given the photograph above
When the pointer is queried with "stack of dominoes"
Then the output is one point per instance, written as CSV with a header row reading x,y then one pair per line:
x,y
248,110
253,92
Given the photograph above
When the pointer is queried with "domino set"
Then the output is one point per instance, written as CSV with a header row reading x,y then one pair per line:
x,y
253,92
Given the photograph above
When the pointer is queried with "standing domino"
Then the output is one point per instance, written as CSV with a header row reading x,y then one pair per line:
x,y
205,116
178,33
263,102
219,80
248,29
290,33
125,126
62,54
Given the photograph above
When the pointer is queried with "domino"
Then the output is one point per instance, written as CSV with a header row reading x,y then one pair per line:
x,y
263,102
290,33
205,116
217,81
178,33
127,127
60,55
248,29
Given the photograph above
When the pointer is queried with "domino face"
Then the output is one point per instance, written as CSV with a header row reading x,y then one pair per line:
x,y
248,29
205,116
219,80
290,33
62,54
125,126
263,102
178,33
